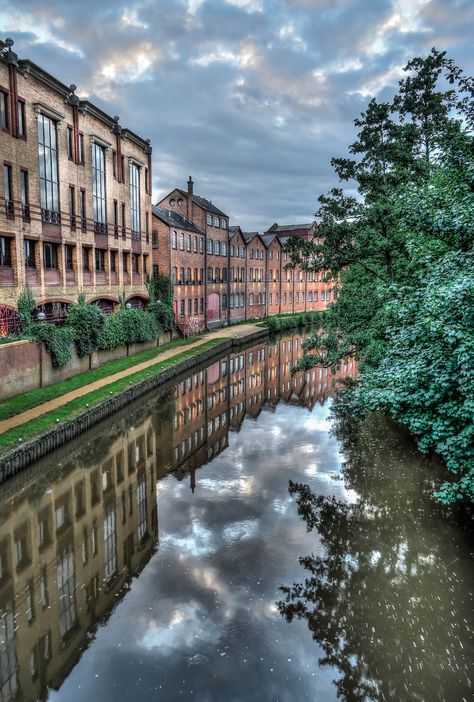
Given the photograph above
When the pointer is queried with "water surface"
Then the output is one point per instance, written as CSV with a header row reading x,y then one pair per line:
x,y
145,561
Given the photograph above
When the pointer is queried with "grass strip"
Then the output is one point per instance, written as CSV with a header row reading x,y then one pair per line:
x,y
46,421
20,403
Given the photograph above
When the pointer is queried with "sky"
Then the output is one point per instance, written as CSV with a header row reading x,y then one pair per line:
x,y
250,97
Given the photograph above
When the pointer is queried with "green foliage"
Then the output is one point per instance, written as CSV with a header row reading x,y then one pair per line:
x,y
26,306
85,322
128,327
402,253
304,319
57,340
163,289
163,314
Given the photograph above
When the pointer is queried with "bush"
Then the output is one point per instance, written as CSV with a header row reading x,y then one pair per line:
x,y
163,314
26,307
57,341
86,323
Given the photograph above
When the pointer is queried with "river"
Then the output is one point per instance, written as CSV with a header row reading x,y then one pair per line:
x,y
228,539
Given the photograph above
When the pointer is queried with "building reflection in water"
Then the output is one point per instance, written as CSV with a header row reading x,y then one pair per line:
x,y
75,533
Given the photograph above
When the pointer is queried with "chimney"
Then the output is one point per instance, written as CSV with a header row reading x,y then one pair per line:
x,y
189,211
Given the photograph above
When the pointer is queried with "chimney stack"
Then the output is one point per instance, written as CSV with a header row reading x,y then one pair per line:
x,y
189,211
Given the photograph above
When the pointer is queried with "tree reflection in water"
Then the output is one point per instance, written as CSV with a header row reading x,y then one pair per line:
x,y
388,597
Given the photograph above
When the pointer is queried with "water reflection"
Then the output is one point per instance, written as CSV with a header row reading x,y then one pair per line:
x,y
389,597
212,456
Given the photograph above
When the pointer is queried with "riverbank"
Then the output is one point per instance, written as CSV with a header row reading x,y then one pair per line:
x,y
29,435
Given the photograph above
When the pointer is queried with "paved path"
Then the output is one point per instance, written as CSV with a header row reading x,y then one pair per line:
x,y
224,332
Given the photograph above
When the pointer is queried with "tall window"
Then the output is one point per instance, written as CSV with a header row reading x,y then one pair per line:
x,y
135,197
82,209
4,123
48,164
30,258
70,142
72,205
50,255
98,184
174,240
24,193
110,543
8,187
5,251
21,119
66,590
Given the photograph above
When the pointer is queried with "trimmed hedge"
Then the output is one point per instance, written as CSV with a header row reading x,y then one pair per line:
x,y
304,319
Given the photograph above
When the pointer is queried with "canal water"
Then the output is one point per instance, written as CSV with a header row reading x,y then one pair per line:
x,y
228,539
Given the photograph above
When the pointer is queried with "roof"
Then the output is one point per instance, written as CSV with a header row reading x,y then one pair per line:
x,y
249,236
268,239
275,228
234,230
205,204
175,219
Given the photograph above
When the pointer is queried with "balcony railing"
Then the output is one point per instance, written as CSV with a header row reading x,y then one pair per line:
x,y
116,231
136,236
9,208
100,228
50,216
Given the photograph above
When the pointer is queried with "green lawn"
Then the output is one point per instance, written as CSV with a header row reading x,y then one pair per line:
x,y
46,421
32,398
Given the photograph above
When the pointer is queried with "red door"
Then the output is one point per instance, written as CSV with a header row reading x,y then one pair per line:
x,y
213,307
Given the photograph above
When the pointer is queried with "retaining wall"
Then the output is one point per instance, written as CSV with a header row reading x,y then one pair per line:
x,y
26,365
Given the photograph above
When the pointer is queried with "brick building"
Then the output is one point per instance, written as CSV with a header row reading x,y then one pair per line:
x,y
214,224
76,215
178,251
256,275
237,275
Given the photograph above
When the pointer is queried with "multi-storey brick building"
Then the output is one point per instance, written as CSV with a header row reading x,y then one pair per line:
x,y
237,275
214,224
76,215
178,251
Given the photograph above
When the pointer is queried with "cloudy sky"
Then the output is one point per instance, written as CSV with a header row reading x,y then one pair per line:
x,y
251,97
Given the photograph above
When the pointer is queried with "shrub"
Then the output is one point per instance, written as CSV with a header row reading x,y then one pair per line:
x,y
85,322
163,314
57,341
137,326
26,307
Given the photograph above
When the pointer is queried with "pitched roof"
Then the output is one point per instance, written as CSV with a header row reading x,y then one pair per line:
x,y
275,228
175,219
249,236
269,238
234,230
205,204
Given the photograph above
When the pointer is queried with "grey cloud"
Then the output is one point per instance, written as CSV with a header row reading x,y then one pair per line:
x,y
252,104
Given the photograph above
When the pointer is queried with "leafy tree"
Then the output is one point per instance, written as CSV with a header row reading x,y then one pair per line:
x,y
85,323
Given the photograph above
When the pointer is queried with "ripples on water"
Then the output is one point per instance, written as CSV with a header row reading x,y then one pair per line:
x,y
228,540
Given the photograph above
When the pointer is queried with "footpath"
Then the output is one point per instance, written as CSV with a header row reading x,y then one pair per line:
x,y
239,331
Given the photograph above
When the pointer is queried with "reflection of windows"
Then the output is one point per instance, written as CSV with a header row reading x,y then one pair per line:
x,y
110,550
8,660
65,581
142,509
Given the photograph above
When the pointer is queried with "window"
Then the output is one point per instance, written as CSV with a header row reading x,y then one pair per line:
x,y
297,297
113,261
82,209
242,299
72,205
188,275
201,245
310,296
29,249
328,295
277,255
85,258
4,121
284,298
188,244
217,248
224,275
210,247
181,242
190,307
135,196
48,165
81,148
209,275
70,143
216,221
224,249
315,296
50,255
201,304
5,251
209,219
114,164
100,260
174,240
135,263
224,302
69,257
223,224
8,188
182,308
276,298
21,119
174,275
251,298
24,194
196,305
195,244
146,180
290,298
98,184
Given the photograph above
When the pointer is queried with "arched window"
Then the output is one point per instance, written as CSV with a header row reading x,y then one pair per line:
x,y
181,242
188,275
188,245
209,275
181,276
218,275
224,275
174,240
174,275
224,302
251,298
195,247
